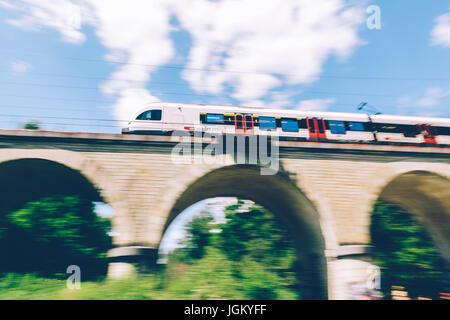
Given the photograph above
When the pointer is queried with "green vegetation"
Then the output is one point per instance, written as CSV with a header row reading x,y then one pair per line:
x,y
48,235
405,252
252,257
31,126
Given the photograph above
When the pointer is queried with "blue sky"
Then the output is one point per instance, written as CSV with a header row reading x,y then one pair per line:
x,y
84,59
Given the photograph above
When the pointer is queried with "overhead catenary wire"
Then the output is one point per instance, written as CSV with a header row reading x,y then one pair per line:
x,y
80,108
195,94
74,76
54,98
182,67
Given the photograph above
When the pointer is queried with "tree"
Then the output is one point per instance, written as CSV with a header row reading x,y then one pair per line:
x,y
31,126
405,252
48,235
251,256
255,233
198,235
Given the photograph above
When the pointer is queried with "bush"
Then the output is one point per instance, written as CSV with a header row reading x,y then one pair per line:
x,y
405,252
48,235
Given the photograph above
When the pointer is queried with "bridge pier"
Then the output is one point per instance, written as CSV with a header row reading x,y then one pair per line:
x,y
352,274
129,261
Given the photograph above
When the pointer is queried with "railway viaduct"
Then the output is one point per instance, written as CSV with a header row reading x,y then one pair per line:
x,y
324,192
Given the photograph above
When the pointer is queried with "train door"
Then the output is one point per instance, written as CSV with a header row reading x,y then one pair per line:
x,y
249,125
428,132
239,123
316,128
243,124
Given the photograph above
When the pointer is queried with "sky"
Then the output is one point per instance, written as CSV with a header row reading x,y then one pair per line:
x,y
82,65
176,232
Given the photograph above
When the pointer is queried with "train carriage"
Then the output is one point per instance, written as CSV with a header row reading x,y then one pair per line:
x,y
407,129
294,125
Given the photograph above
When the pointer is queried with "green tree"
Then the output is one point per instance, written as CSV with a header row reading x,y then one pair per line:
x,y
48,235
405,252
198,235
255,233
31,126
252,257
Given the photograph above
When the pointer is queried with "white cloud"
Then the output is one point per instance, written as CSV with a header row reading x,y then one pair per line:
x,y
136,33
268,43
129,101
315,104
20,66
64,16
281,99
8,5
431,103
440,34
433,97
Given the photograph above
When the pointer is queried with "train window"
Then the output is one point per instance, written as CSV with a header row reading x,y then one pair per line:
x,y
228,119
239,124
445,131
356,126
311,126
337,127
410,131
320,123
267,123
248,122
150,115
289,125
214,118
302,124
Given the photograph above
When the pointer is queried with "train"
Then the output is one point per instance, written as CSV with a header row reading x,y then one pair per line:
x,y
161,118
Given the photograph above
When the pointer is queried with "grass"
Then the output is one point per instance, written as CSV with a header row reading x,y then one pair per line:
x,y
210,278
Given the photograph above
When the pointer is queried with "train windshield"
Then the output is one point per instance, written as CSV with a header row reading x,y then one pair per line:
x,y
150,115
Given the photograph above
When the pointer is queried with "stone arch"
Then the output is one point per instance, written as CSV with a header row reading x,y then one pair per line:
x,y
422,189
74,166
278,194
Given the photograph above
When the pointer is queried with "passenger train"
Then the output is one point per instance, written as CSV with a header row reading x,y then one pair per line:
x,y
291,125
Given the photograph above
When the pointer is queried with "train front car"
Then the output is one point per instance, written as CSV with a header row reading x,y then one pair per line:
x,y
156,119
148,120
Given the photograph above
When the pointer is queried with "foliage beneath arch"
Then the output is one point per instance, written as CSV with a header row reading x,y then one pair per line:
x,y
48,235
405,252
251,256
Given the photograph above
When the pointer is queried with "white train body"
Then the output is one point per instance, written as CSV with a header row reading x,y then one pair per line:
x,y
166,118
